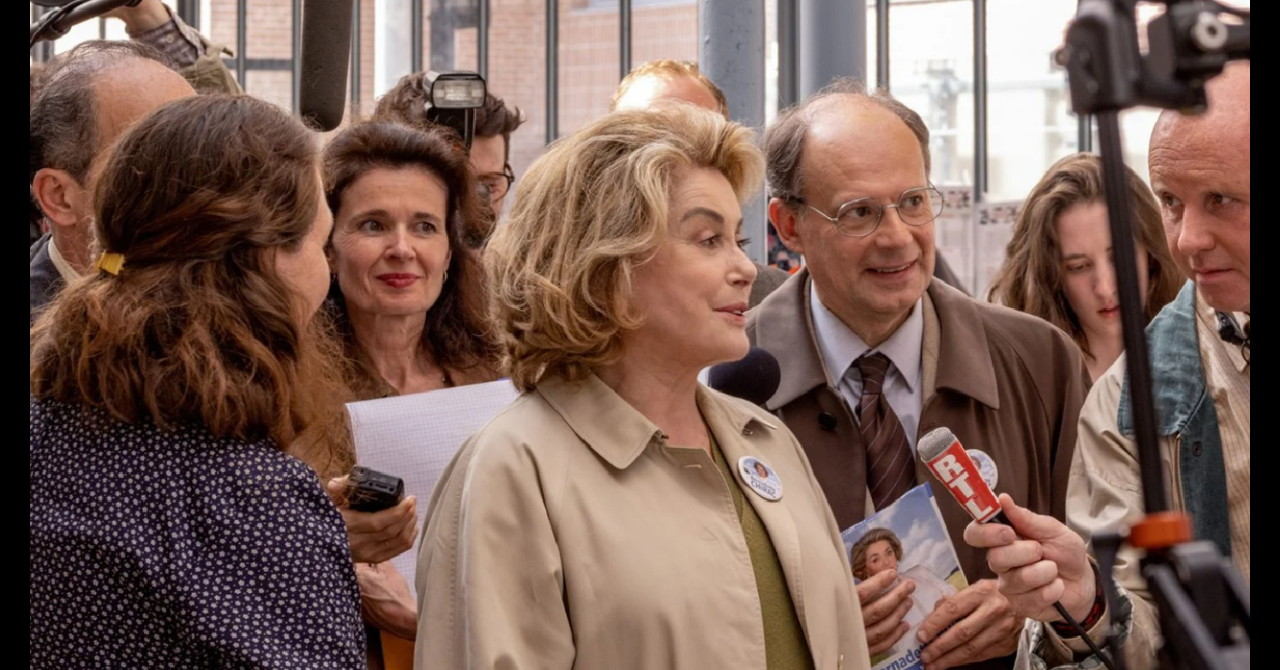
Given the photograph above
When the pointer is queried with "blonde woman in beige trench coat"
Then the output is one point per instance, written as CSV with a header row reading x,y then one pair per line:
x,y
614,516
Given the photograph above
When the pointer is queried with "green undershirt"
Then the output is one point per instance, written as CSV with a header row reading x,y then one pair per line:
x,y
785,647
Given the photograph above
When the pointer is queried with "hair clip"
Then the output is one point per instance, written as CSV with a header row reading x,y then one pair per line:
x,y
110,263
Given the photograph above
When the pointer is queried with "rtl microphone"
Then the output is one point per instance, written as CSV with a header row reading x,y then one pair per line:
x,y
326,53
754,378
951,465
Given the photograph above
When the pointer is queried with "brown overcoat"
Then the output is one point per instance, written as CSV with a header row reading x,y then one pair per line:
x,y
1004,382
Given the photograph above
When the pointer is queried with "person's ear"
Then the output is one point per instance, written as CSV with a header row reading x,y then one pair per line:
x,y
59,195
786,221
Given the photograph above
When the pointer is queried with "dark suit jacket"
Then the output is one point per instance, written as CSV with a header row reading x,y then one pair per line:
x,y
45,280
1003,382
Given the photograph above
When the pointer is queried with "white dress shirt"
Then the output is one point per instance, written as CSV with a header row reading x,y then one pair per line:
x,y
840,347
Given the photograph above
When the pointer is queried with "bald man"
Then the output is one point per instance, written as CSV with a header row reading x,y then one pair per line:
x,y
1199,351
85,99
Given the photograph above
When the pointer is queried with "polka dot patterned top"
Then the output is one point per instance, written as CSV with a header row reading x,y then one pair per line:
x,y
153,549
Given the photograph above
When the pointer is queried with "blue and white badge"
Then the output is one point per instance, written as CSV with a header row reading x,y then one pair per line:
x,y
760,477
986,467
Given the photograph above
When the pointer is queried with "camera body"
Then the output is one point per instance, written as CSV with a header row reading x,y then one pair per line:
x,y
373,491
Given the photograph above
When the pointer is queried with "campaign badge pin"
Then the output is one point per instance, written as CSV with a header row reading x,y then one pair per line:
x,y
986,467
760,477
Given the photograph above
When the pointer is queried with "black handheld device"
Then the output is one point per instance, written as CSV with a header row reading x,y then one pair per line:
x,y
373,491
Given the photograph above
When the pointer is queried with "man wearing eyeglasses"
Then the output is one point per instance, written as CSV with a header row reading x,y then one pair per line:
x,y
874,351
491,149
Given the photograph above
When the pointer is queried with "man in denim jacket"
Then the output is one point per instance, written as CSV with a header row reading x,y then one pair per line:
x,y
1199,351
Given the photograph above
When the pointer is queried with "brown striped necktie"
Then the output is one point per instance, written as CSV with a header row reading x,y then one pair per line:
x,y
890,472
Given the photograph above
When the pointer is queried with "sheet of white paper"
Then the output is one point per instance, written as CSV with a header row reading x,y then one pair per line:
x,y
414,437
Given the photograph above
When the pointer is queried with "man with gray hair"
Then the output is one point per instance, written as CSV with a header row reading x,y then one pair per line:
x,y
874,352
84,99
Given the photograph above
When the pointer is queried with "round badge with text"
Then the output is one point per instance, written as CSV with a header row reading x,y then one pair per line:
x,y
761,478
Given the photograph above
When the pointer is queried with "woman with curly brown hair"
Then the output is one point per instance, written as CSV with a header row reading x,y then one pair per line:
x,y
182,404
1058,264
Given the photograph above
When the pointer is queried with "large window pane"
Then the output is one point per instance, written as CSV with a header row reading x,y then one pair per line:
x,y
931,71
1029,116
393,39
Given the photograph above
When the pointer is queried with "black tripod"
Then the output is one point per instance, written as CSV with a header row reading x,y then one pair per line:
x,y
1203,601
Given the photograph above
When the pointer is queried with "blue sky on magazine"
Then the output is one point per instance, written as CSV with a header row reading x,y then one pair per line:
x,y
915,520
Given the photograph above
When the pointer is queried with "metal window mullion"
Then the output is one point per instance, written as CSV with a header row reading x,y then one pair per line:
x,y
189,10
482,39
882,44
788,73
355,57
624,37
415,35
242,39
1084,133
296,66
980,183
553,70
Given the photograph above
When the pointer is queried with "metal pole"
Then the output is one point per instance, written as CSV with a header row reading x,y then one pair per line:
x,y
355,58
242,41
1084,132
834,44
731,53
788,72
482,39
980,184
444,23
882,44
415,35
296,66
624,37
553,70
1131,313
189,10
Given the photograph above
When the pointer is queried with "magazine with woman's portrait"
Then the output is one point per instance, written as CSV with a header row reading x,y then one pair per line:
x,y
907,536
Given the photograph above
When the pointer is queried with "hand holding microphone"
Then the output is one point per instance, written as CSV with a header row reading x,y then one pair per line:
x,y
1040,562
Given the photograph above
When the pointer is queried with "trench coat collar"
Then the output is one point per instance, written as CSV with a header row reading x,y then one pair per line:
x,y
617,432
784,326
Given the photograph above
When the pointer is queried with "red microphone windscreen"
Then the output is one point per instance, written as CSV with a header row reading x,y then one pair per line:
x,y
951,465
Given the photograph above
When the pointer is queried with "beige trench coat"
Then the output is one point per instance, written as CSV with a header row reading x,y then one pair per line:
x,y
568,534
